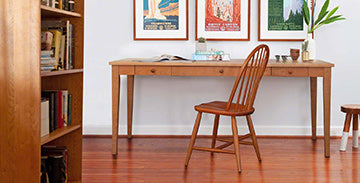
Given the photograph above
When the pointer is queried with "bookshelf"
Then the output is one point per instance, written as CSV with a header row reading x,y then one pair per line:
x,y
71,80
21,85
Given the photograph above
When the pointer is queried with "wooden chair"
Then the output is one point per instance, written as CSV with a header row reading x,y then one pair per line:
x,y
245,89
352,111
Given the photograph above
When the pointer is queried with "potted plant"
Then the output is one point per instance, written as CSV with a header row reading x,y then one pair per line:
x,y
201,44
305,51
324,17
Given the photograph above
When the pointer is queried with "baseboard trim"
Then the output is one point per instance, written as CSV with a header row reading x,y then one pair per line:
x,y
209,136
185,130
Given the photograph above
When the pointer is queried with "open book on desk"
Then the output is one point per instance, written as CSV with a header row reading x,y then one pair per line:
x,y
164,58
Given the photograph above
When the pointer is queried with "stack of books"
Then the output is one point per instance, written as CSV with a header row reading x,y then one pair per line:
x,y
54,160
210,55
58,111
47,61
62,42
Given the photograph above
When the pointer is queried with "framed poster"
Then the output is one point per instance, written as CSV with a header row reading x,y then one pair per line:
x,y
223,20
281,20
161,20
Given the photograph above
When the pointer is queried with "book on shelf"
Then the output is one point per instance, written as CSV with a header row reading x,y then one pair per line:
x,y
46,40
45,117
64,46
44,177
59,109
164,58
69,110
56,162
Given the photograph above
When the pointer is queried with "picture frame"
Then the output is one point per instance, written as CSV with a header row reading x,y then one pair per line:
x,y
271,23
227,22
160,19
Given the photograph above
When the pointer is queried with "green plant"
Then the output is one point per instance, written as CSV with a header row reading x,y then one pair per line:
x,y
304,45
324,13
202,40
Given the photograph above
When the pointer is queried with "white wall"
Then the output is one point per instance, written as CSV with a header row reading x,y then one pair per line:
x,y
164,105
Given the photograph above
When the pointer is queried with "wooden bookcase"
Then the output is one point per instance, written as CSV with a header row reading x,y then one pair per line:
x,y
21,85
71,80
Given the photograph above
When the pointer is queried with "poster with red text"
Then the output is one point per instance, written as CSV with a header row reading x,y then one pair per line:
x,y
222,15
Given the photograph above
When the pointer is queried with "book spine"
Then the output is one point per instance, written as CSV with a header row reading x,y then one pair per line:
x,y
60,120
69,109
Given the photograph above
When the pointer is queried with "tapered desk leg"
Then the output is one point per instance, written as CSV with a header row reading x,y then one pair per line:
x,y
313,89
115,108
327,108
130,97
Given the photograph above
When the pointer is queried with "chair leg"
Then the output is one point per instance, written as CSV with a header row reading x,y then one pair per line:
x,y
215,130
253,136
193,138
355,137
345,134
236,142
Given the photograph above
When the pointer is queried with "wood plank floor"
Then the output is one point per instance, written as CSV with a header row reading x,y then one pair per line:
x,y
162,160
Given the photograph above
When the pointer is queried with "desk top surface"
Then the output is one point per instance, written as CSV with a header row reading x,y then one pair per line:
x,y
232,62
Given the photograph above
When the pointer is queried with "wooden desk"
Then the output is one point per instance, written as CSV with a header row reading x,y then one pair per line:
x,y
130,68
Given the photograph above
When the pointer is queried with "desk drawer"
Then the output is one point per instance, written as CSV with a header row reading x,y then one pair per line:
x,y
290,72
152,70
205,71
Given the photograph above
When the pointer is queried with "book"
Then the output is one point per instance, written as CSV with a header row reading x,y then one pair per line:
x,y
56,44
46,40
60,119
211,57
163,58
65,98
56,163
209,53
45,117
51,96
69,109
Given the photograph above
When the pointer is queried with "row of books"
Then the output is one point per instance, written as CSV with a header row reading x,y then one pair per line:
x,y
210,55
56,110
54,161
67,5
56,45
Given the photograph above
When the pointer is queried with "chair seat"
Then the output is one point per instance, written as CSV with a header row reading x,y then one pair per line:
x,y
351,108
218,107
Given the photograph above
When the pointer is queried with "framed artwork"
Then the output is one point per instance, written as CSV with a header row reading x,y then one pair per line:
x,y
161,20
223,20
281,20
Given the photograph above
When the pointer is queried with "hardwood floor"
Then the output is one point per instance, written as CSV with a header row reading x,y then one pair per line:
x,y
162,160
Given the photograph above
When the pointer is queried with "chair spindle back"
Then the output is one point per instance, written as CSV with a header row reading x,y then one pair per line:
x,y
249,78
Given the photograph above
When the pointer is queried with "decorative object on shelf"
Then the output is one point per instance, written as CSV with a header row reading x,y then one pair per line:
x,y
294,54
154,20
304,51
223,20
201,44
277,57
325,17
281,20
284,57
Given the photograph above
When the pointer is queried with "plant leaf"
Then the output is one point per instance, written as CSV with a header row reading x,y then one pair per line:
x,y
306,13
323,11
327,21
332,12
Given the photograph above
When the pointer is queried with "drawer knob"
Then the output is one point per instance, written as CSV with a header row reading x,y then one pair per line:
x,y
152,70
221,71
290,72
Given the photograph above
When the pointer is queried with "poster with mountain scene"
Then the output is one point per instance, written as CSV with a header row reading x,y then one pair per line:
x,y
161,14
285,15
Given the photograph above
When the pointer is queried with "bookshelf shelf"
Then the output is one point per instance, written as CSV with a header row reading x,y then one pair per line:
x,y
63,72
49,12
59,133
